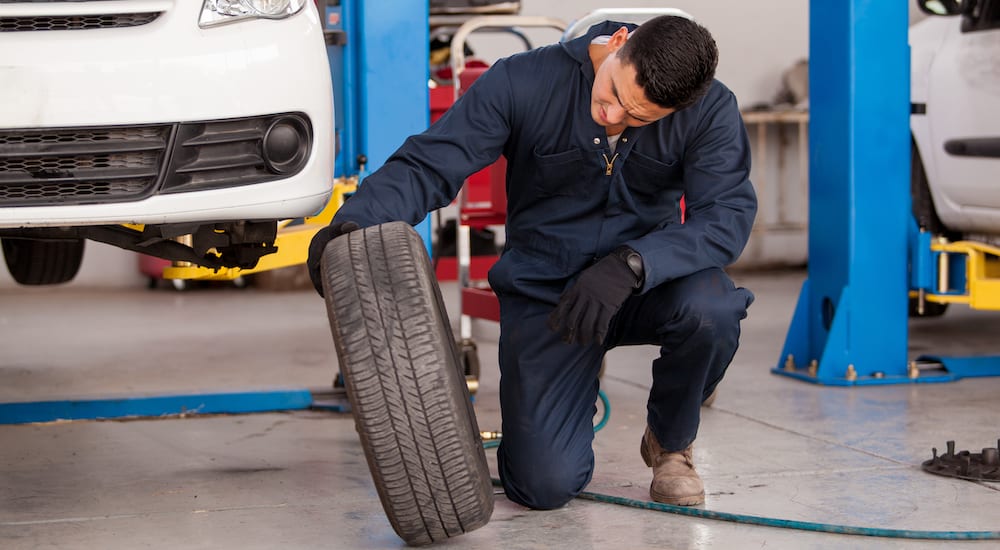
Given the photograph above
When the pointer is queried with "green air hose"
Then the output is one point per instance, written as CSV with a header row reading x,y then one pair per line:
x,y
492,439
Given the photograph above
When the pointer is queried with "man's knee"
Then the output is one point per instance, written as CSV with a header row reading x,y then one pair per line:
x,y
544,487
544,481
716,316
716,309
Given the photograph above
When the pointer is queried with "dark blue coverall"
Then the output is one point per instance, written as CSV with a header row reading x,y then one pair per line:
x,y
570,202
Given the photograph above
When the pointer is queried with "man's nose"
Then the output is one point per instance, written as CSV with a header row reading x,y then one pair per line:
x,y
615,113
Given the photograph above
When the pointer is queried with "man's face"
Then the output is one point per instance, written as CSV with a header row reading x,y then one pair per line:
x,y
616,100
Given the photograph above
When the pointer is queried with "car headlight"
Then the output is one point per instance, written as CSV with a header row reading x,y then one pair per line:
x,y
219,12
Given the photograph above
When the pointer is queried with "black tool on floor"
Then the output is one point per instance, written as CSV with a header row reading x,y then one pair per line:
x,y
984,466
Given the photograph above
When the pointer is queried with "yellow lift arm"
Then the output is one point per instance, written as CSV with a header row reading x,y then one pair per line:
x,y
982,274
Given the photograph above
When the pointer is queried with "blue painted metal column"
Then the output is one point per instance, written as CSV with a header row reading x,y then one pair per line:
x,y
381,94
850,324
395,102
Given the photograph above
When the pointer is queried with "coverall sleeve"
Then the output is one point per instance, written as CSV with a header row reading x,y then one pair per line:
x,y
721,202
428,170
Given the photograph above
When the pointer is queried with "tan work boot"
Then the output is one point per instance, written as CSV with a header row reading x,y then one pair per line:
x,y
674,479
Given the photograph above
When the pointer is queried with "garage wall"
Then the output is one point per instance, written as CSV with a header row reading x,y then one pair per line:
x,y
757,41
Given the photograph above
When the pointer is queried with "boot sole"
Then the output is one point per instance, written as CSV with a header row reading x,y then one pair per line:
x,y
694,500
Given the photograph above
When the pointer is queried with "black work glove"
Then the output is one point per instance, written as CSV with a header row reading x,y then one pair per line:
x,y
318,244
584,311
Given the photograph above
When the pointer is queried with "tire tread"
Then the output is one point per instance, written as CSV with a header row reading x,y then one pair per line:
x,y
411,405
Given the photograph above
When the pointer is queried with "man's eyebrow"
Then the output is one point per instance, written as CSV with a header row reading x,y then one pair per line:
x,y
614,90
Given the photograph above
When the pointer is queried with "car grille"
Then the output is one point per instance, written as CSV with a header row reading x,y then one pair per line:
x,y
75,22
80,165
218,154
99,165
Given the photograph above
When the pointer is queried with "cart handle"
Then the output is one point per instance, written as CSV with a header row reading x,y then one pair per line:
x,y
493,22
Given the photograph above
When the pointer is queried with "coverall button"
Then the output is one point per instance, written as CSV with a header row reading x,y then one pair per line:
x,y
597,141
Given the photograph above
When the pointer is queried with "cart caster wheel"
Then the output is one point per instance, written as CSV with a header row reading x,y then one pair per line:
x,y
931,309
178,284
468,355
240,282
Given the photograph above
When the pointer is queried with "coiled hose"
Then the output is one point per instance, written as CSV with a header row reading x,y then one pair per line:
x,y
492,439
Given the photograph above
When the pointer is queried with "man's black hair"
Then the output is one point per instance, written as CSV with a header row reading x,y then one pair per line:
x,y
674,60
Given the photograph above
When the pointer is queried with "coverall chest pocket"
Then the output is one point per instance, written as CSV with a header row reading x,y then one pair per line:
x,y
653,181
560,174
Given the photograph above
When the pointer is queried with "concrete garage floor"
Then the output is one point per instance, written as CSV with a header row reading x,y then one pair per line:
x,y
770,446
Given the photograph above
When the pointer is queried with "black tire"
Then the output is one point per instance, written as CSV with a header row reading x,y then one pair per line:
x,y
926,217
931,309
920,194
922,203
43,261
405,384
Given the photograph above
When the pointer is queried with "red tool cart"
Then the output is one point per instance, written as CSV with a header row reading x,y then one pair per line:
x,y
483,200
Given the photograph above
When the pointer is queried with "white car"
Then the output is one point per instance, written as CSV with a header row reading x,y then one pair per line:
x,y
209,118
955,92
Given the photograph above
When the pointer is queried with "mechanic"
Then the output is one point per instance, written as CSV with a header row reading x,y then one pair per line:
x,y
603,135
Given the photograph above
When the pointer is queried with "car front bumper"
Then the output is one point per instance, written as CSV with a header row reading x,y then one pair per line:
x,y
167,72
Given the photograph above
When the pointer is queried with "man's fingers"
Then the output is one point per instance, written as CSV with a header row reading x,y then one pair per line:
x,y
575,316
579,320
318,245
314,260
588,324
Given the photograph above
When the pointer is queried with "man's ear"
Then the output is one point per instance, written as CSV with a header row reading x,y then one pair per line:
x,y
618,39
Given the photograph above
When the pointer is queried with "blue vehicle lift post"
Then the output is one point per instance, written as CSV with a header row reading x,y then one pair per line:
x,y
381,97
850,326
